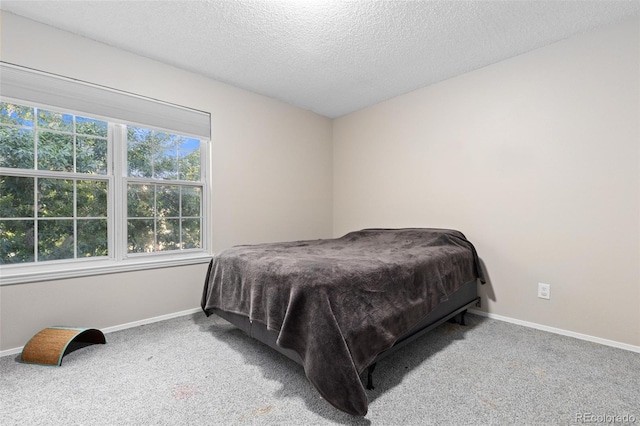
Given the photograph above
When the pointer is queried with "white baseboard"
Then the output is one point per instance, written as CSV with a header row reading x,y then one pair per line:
x,y
150,320
560,331
122,326
554,330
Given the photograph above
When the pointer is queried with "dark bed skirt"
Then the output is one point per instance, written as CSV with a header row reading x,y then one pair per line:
x,y
465,297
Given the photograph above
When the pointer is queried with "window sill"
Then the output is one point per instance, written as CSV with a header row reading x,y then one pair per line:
x,y
28,274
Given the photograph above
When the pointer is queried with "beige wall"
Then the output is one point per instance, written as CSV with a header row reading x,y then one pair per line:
x,y
272,180
536,159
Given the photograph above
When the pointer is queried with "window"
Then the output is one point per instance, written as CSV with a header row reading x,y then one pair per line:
x,y
53,184
76,188
164,191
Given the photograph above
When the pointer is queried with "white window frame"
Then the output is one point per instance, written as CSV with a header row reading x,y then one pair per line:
x,y
119,260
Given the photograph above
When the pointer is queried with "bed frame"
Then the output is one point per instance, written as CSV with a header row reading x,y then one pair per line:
x,y
456,306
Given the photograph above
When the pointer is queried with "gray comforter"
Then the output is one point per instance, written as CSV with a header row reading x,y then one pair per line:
x,y
340,302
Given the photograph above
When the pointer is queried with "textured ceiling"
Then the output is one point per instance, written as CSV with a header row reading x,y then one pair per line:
x,y
330,57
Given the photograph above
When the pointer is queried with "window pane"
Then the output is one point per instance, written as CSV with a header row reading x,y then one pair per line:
x,y
16,197
91,155
162,155
168,234
16,148
168,201
92,238
190,201
91,198
139,152
140,236
55,239
16,114
90,126
140,200
55,120
55,198
16,241
190,233
55,151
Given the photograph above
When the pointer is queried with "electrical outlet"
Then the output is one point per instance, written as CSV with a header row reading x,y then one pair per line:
x,y
544,291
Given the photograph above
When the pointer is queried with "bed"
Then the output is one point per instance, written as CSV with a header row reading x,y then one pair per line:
x,y
338,306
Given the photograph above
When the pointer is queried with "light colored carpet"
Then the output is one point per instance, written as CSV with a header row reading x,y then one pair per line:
x,y
195,370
